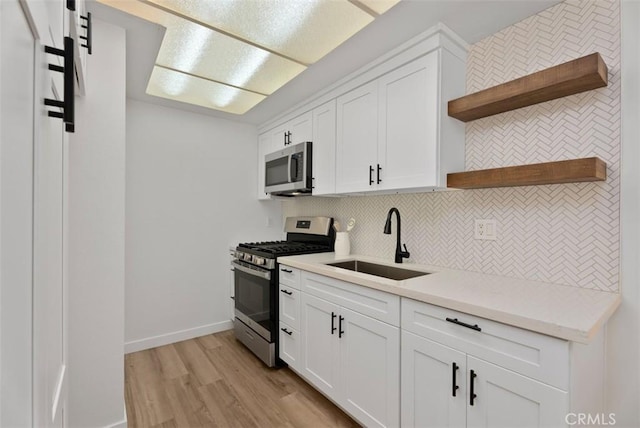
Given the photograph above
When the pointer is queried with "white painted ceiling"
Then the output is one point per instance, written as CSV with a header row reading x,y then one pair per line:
x,y
473,20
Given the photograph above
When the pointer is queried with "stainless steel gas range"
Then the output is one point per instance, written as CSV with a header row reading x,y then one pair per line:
x,y
256,272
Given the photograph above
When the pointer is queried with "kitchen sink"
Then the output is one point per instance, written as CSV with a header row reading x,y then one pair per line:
x,y
384,271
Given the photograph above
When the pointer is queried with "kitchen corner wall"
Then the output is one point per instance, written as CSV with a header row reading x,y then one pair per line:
x,y
566,234
189,196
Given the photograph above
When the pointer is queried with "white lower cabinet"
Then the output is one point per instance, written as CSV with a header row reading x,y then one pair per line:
x,y
389,361
443,387
353,359
370,370
289,316
506,399
289,345
434,384
320,345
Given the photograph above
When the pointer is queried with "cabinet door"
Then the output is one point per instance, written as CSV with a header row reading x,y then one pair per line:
x,y
320,356
289,345
370,370
408,125
290,306
324,149
356,139
301,128
264,147
507,399
428,381
279,137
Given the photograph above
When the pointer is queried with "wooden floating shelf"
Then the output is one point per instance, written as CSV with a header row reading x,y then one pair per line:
x,y
568,171
579,75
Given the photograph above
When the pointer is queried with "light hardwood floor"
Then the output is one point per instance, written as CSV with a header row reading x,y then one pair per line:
x,y
214,381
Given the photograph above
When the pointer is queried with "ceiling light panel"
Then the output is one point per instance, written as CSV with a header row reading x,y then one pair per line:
x,y
379,6
229,54
194,90
304,30
198,50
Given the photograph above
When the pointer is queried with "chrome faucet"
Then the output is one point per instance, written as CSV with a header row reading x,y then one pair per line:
x,y
387,230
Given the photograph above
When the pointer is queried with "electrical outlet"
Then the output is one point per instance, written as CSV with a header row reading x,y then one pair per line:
x,y
485,229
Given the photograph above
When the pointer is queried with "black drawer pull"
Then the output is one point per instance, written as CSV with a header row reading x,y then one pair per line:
x,y
287,331
286,270
340,330
287,292
370,175
464,324
454,386
472,394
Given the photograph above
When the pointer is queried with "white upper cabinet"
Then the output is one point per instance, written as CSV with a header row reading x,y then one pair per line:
x,y
394,133
324,149
297,130
408,125
357,138
390,132
301,128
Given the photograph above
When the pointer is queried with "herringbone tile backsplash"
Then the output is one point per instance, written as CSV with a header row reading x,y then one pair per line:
x,y
567,234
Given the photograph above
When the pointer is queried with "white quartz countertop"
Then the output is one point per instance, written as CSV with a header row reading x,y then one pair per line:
x,y
570,313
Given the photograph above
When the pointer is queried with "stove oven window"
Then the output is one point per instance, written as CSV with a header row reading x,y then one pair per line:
x,y
253,299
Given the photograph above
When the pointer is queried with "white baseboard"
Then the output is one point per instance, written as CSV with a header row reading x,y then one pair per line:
x,y
120,424
176,336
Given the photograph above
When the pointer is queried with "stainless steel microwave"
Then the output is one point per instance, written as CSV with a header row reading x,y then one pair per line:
x,y
287,172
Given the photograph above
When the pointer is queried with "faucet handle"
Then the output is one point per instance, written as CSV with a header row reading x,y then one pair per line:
x,y
406,253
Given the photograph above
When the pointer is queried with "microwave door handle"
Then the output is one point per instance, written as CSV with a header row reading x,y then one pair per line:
x,y
289,159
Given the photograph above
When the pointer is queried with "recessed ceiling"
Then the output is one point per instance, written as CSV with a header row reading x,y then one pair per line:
x,y
229,55
472,20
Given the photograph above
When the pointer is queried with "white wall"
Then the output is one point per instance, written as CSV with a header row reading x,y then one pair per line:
x,y
190,195
623,332
96,238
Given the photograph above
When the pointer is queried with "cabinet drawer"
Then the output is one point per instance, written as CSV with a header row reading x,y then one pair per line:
x,y
535,355
367,301
289,345
289,276
289,306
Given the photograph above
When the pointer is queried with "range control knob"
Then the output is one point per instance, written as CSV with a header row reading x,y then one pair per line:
x,y
247,257
258,260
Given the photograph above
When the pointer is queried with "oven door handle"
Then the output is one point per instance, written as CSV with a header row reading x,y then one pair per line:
x,y
254,272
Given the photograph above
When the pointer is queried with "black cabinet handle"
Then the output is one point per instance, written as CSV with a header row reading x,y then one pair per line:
x,y
286,331
340,330
464,324
286,270
333,319
68,104
472,394
288,293
370,175
71,5
454,386
89,35
289,137
378,174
